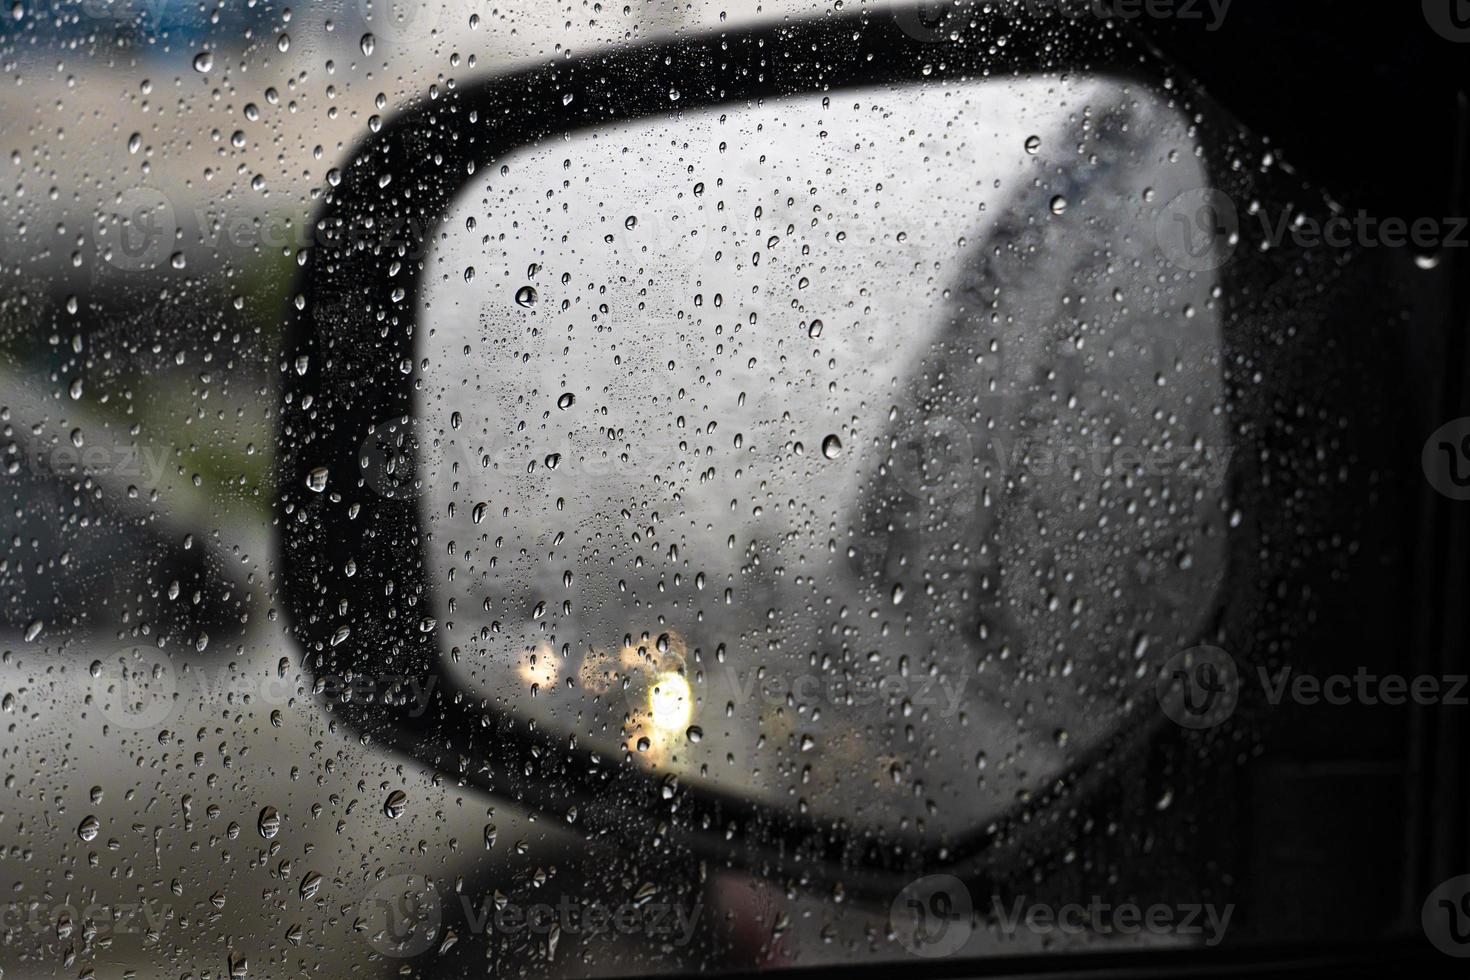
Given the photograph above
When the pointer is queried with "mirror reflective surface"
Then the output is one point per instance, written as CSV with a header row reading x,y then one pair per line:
x,y
858,452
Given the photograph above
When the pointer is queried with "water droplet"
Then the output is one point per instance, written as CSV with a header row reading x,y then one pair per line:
x,y
526,296
832,447
89,828
316,480
395,804
367,43
1033,143
566,400
814,330
203,62
268,823
1058,205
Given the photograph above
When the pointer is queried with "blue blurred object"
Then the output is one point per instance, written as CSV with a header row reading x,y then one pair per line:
x,y
163,25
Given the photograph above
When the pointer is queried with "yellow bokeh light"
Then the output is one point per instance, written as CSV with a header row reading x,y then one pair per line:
x,y
670,703
540,668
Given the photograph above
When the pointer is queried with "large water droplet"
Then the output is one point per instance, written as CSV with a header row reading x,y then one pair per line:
x,y
395,804
89,828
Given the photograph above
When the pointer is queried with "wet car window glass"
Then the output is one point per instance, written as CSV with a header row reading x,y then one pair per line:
x,y
589,489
